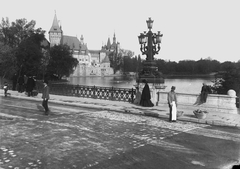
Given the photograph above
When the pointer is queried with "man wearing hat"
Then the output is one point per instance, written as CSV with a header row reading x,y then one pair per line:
x,y
172,103
45,96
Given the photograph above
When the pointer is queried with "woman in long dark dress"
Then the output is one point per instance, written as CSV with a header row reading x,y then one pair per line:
x,y
146,96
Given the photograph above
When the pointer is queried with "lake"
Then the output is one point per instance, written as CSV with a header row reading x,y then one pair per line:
x,y
183,84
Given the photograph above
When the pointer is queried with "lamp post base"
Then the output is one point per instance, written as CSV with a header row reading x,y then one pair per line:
x,y
150,73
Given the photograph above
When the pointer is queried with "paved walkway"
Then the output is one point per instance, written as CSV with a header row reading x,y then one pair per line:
x,y
213,118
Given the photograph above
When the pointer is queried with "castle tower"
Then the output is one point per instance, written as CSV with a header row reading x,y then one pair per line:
x,y
55,33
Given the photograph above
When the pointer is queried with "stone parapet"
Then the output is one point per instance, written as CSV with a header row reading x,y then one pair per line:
x,y
215,102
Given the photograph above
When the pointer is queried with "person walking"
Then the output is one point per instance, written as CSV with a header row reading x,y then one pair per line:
x,y
146,96
45,97
172,103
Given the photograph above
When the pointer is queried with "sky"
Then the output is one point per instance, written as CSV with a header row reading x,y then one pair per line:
x,y
192,29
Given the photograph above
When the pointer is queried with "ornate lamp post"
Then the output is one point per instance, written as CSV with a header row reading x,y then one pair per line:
x,y
150,46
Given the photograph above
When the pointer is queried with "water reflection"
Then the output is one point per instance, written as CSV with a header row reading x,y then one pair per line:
x,y
183,85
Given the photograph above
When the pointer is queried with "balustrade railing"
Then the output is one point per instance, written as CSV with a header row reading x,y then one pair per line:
x,y
95,92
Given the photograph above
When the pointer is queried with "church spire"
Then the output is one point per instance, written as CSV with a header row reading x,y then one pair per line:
x,y
55,27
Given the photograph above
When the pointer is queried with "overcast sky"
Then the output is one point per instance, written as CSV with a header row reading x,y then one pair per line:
x,y
192,29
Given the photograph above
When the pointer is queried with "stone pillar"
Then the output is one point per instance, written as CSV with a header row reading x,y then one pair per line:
x,y
231,93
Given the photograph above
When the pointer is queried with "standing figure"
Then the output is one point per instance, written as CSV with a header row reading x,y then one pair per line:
x,y
138,97
146,96
204,93
172,103
45,96
5,87
30,86
20,84
14,81
25,82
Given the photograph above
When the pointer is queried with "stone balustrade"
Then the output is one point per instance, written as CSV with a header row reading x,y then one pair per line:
x,y
215,102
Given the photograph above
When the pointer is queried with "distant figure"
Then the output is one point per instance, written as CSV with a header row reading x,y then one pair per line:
x,y
172,103
146,96
14,81
138,97
5,88
25,82
30,86
204,93
45,96
21,84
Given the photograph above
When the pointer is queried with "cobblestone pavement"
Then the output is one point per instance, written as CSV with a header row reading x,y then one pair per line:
x,y
77,139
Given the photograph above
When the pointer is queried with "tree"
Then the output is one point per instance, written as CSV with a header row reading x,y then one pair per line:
x,y
116,61
29,54
7,61
14,33
25,41
129,64
230,79
61,61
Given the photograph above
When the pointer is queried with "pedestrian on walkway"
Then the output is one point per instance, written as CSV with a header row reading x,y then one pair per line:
x,y
138,97
45,96
204,93
172,103
20,84
146,96
5,87
30,86
14,81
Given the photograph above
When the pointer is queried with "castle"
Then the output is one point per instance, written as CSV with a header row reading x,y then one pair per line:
x,y
91,62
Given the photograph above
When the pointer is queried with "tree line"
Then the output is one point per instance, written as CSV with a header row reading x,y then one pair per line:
x,y
183,67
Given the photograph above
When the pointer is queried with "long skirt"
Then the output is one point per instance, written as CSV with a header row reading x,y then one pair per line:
x,y
174,111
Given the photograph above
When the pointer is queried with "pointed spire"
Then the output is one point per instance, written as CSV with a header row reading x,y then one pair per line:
x,y
114,38
55,27
82,39
108,44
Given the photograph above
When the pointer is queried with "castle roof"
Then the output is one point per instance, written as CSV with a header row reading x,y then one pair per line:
x,y
71,41
55,27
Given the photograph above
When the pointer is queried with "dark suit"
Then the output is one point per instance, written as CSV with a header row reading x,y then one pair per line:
x,y
45,97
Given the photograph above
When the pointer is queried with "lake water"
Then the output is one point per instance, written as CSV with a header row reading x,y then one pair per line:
x,y
183,85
